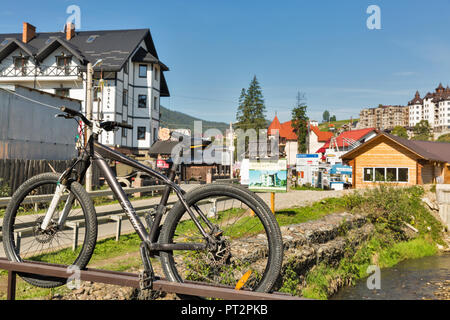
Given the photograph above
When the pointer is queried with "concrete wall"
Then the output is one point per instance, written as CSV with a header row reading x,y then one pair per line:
x,y
443,200
31,131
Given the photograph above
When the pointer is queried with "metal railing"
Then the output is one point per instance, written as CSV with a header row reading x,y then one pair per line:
x,y
132,280
41,71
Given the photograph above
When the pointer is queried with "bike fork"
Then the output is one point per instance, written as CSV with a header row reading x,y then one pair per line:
x,y
53,204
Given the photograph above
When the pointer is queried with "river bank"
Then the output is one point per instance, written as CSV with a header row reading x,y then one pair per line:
x,y
425,278
404,229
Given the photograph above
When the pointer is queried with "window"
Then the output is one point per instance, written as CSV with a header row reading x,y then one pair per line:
x,y
125,68
402,175
368,174
142,71
141,133
142,101
124,131
125,97
20,64
154,135
155,103
385,174
62,92
63,64
156,73
380,174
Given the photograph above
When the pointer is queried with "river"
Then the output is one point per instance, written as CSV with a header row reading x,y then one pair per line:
x,y
409,280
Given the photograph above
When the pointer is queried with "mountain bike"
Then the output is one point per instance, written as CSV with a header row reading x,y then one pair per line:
x,y
220,234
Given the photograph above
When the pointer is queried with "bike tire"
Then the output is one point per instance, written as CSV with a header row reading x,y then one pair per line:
x,y
89,221
255,203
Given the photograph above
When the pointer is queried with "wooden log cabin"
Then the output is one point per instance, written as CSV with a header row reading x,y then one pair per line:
x,y
390,159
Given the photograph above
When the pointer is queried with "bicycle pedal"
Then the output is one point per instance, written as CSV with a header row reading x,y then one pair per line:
x,y
146,279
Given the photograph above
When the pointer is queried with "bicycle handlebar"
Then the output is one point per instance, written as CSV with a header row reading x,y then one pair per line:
x,y
106,125
75,113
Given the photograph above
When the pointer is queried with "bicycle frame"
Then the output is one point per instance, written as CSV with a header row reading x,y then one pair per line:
x,y
98,152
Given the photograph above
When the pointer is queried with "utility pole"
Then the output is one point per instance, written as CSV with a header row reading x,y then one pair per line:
x,y
89,107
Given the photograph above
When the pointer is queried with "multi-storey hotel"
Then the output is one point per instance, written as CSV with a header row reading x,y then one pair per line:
x,y
56,62
383,117
433,107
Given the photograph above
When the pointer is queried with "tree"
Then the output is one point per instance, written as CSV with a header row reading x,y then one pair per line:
x,y
300,123
400,131
422,131
251,110
326,116
333,118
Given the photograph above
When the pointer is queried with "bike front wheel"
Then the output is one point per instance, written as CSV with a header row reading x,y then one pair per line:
x,y
248,250
24,240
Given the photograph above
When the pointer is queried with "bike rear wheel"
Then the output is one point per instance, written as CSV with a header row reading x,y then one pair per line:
x,y
250,250
23,240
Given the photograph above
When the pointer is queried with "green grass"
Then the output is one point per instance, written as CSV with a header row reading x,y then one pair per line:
x,y
387,208
337,124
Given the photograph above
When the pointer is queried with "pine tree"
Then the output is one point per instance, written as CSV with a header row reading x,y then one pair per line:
x,y
251,110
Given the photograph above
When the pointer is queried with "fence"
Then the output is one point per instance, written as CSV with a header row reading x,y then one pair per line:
x,y
13,172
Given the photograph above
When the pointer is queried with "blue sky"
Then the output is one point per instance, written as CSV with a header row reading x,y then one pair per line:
x,y
322,48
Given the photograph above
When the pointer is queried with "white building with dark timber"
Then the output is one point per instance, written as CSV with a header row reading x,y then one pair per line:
x,y
56,62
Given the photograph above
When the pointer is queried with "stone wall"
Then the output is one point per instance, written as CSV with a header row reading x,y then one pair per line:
x,y
325,240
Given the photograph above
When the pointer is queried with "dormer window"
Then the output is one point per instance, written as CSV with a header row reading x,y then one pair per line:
x,y
20,65
63,63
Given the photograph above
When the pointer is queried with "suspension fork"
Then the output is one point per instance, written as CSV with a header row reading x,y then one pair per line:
x,y
62,186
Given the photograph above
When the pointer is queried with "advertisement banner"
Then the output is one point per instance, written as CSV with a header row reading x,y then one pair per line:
x,y
268,175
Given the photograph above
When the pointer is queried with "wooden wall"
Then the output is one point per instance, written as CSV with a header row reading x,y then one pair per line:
x,y
385,153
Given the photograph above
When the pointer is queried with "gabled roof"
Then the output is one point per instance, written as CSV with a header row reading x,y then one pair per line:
x,y
343,139
322,136
143,55
275,125
12,44
427,150
55,44
285,130
114,47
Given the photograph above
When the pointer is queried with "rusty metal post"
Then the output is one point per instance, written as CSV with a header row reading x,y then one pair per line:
x,y
11,294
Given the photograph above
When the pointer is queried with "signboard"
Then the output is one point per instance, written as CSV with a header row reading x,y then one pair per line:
x,y
267,175
162,164
307,159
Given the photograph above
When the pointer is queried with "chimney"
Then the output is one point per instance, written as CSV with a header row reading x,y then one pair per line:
x,y
29,32
70,31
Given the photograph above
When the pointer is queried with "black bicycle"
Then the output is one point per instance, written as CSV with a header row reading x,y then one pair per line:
x,y
220,234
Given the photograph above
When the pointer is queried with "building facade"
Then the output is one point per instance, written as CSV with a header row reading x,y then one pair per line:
x,y
384,117
388,159
128,83
434,108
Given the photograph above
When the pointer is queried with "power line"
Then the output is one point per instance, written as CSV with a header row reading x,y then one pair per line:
x,y
31,100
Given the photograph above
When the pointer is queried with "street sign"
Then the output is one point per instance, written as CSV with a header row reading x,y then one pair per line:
x,y
307,159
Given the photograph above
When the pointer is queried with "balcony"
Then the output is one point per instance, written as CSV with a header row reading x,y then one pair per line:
x,y
30,72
